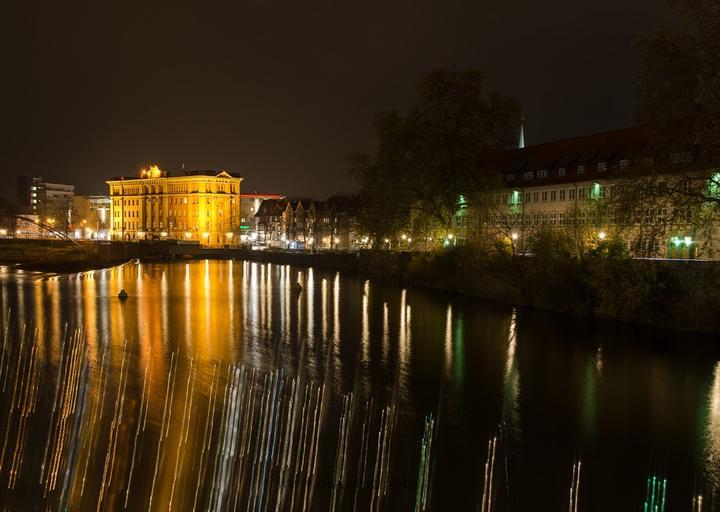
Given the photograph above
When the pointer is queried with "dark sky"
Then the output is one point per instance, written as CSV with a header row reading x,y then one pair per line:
x,y
281,91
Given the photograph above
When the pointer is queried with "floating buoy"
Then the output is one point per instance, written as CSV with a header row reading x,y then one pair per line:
x,y
122,295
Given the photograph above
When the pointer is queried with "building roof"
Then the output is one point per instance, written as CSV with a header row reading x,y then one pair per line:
x,y
271,208
206,172
597,156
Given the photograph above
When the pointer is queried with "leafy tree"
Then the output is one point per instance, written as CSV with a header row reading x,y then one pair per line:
x,y
680,74
679,93
679,97
430,156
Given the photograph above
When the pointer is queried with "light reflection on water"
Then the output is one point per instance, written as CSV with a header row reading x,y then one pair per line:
x,y
220,383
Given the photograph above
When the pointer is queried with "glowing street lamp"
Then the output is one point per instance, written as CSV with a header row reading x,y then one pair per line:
x,y
602,235
514,236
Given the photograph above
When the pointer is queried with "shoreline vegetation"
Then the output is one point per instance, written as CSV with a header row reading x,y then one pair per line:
x,y
672,294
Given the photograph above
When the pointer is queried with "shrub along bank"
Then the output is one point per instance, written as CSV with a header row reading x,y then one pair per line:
x,y
681,295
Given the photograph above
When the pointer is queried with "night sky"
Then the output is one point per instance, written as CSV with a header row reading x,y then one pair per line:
x,y
282,91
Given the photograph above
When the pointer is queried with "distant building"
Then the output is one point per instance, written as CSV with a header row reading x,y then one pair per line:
x,y
51,202
632,183
249,206
307,224
196,206
91,217
270,219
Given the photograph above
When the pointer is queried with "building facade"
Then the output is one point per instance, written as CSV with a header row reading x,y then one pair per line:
x,y
304,224
619,184
51,202
195,207
249,206
91,217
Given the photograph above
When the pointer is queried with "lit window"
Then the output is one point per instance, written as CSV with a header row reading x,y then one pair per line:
x,y
528,175
602,166
581,169
543,173
624,163
562,171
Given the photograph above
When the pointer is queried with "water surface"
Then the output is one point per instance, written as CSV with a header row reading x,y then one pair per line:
x,y
218,385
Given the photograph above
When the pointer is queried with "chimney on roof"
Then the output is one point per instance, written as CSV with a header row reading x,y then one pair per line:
x,y
521,142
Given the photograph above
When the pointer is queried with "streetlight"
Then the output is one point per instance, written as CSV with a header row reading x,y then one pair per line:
x,y
602,235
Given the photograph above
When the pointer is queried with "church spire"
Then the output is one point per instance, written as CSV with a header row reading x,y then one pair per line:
x,y
521,142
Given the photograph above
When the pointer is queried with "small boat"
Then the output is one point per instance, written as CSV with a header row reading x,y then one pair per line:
x,y
122,295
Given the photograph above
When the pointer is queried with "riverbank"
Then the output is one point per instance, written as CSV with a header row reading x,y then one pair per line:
x,y
671,294
58,256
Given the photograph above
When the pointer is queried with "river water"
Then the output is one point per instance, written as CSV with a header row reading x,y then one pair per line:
x,y
219,385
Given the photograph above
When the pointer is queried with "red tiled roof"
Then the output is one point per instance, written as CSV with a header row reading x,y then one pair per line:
x,y
547,162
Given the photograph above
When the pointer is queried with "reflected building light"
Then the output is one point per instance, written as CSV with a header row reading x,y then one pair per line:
x,y
269,294
287,294
337,361
310,290
459,352
511,386
365,336
231,292
408,328
188,308
324,306
336,308
281,287
262,287
403,365
244,291
712,447
386,335
164,312
448,341
254,306
512,339
401,330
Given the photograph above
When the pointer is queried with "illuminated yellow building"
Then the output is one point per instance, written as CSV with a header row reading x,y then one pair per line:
x,y
196,206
